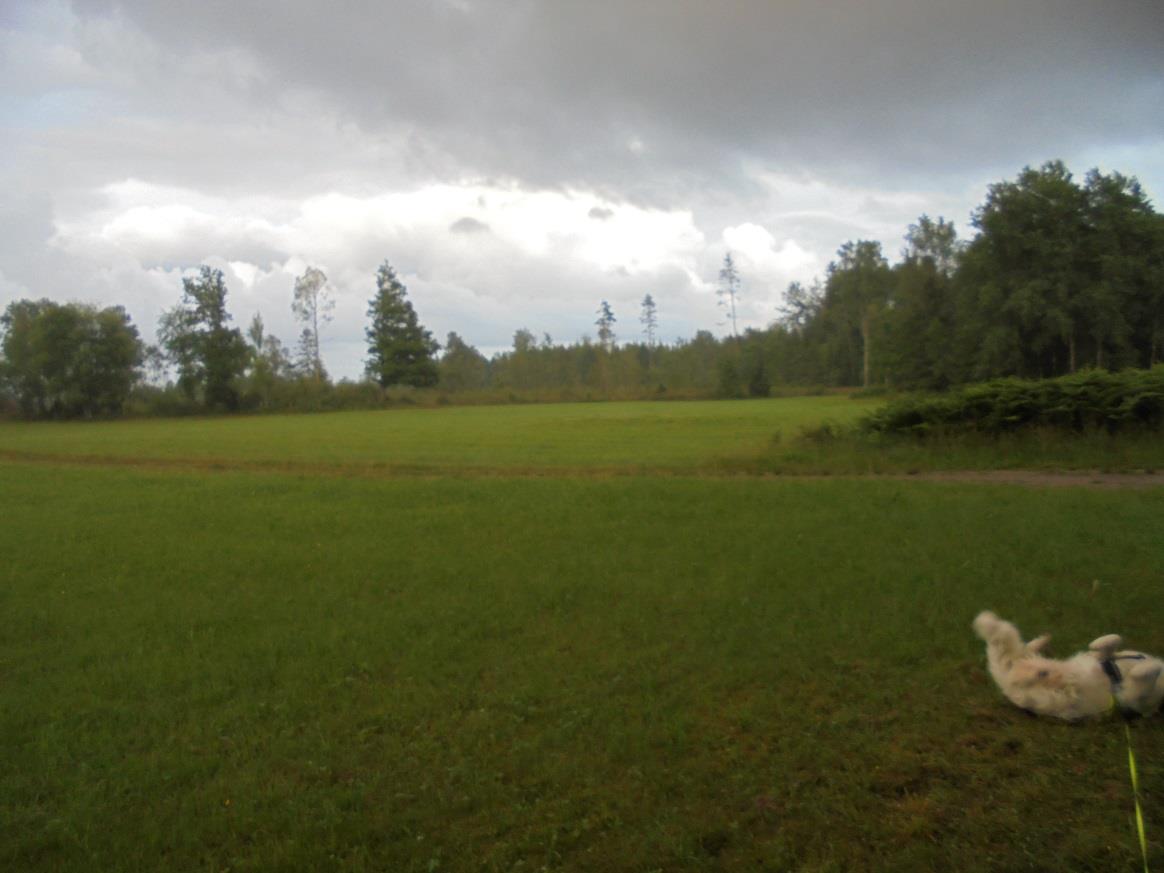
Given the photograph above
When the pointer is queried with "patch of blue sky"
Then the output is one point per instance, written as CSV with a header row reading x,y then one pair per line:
x,y
64,108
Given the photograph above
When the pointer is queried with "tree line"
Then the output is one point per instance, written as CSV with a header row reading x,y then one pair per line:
x,y
1059,275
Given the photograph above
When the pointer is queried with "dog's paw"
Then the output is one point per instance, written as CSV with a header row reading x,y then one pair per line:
x,y
1106,646
985,623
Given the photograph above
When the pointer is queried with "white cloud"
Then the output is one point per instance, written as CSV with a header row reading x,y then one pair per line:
x,y
544,262
758,248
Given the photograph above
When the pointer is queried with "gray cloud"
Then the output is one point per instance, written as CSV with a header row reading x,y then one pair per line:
x,y
468,226
514,88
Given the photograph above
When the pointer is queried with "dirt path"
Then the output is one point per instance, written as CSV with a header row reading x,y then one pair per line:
x,y
1045,479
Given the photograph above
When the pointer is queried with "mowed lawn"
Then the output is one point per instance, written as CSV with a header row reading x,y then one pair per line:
x,y
249,670
633,435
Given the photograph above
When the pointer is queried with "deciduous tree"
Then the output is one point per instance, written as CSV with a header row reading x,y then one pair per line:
x,y
461,366
1024,275
312,304
68,360
269,363
857,290
921,323
209,355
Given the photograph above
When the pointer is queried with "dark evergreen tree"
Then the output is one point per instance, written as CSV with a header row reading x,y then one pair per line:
x,y
605,325
400,350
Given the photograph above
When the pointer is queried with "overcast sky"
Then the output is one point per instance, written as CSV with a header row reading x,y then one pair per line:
x,y
518,161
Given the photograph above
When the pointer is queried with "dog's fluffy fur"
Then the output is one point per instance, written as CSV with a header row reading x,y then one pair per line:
x,y
1075,688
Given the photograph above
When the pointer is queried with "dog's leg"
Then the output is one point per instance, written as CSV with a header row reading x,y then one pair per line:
x,y
1106,646
1037,645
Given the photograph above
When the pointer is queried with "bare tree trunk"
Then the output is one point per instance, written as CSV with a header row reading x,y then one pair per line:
x,y
1071,350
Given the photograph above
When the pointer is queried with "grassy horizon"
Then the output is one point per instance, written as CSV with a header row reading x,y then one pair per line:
x,y
792,435
642,434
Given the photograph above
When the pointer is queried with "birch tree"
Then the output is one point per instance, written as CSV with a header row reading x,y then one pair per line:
x,y
312,305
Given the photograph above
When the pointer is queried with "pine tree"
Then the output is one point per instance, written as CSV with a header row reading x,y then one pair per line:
x,y
729,289
649,319
605,325
400,350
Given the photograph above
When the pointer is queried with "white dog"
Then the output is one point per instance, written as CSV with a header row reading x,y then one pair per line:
x,y
1087,684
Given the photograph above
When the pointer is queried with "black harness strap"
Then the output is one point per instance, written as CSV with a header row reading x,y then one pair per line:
x,y
1112,669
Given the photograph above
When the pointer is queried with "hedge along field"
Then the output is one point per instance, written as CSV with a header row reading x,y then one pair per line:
x,y
257,671
676,435
1085,402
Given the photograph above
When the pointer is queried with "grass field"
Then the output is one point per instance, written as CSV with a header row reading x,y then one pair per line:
x,y
268,669
626,436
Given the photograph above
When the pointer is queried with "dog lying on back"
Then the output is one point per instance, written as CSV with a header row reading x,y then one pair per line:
x,y
1085,685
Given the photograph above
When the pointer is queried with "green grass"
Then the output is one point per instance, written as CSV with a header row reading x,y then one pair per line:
x,y
274,670
844,451
747,436
633,435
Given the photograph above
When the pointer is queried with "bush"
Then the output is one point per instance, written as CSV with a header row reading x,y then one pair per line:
x,y
825,433
1090,400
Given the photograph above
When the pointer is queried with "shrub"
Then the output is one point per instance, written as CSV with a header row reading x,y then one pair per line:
x,y
1085,401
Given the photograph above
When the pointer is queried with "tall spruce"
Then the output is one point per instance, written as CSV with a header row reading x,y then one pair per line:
x,y
400,350
605,325
649,319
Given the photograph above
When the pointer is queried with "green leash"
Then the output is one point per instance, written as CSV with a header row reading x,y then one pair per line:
x,y
1136,795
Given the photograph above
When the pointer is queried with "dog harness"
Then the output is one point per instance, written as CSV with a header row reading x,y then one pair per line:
x,y
1112,670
